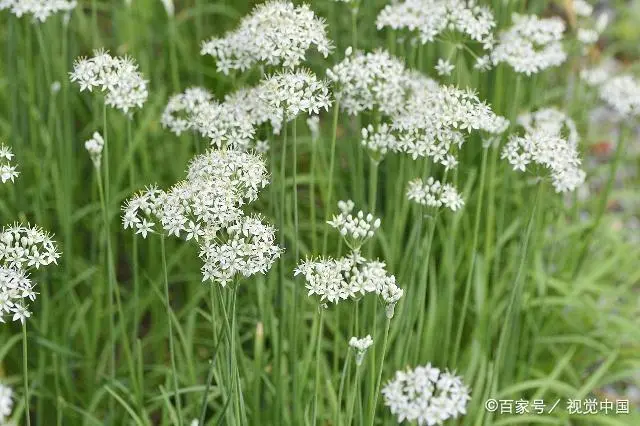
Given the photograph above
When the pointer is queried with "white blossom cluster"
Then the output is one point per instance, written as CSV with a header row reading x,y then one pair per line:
x,y
368,81
8,171
251,104
597,75
176,115
118,77
433,123
361,345
250,248
40,9
589,27
22,248
551,121
426,396
430,18
433,193
94,147
296,92
207,207
379,141
276,33
356,229
6,400
223,125
349,277
531,44
622,94
551,151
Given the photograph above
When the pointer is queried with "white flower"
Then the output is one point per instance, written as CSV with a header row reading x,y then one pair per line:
x,y
94,146
551,121
444,67
182,106
250,104
434,122
551,151
349,277
432,17
368,81
8,171
6,400
276,33
296,92
361,346
247,247
582,8
426,396
124,87
40,9
432,193
21,248
531,44
225,126
622,94
355,229
379,141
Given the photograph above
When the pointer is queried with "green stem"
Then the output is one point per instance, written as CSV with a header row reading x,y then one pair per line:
x,y
472,262
343,378
327,205
318,354
385,340
174,370
25,372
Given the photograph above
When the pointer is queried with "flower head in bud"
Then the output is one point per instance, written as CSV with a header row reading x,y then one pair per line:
x,y
355,229
94,146
360,345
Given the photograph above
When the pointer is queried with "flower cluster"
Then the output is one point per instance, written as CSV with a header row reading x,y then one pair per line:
x,y
357,229
368,81
379,141
432,17
94,146
8,171
276,33
531,44
250,248
426,395
432,123
40,9
251,104
207,207
432,193
360,345
6,400
22,248
176,115
550,151
296,92
223,125
622,94
349,277
118,77
551,121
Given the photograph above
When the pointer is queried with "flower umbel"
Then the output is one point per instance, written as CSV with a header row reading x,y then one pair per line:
x,y
8,171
